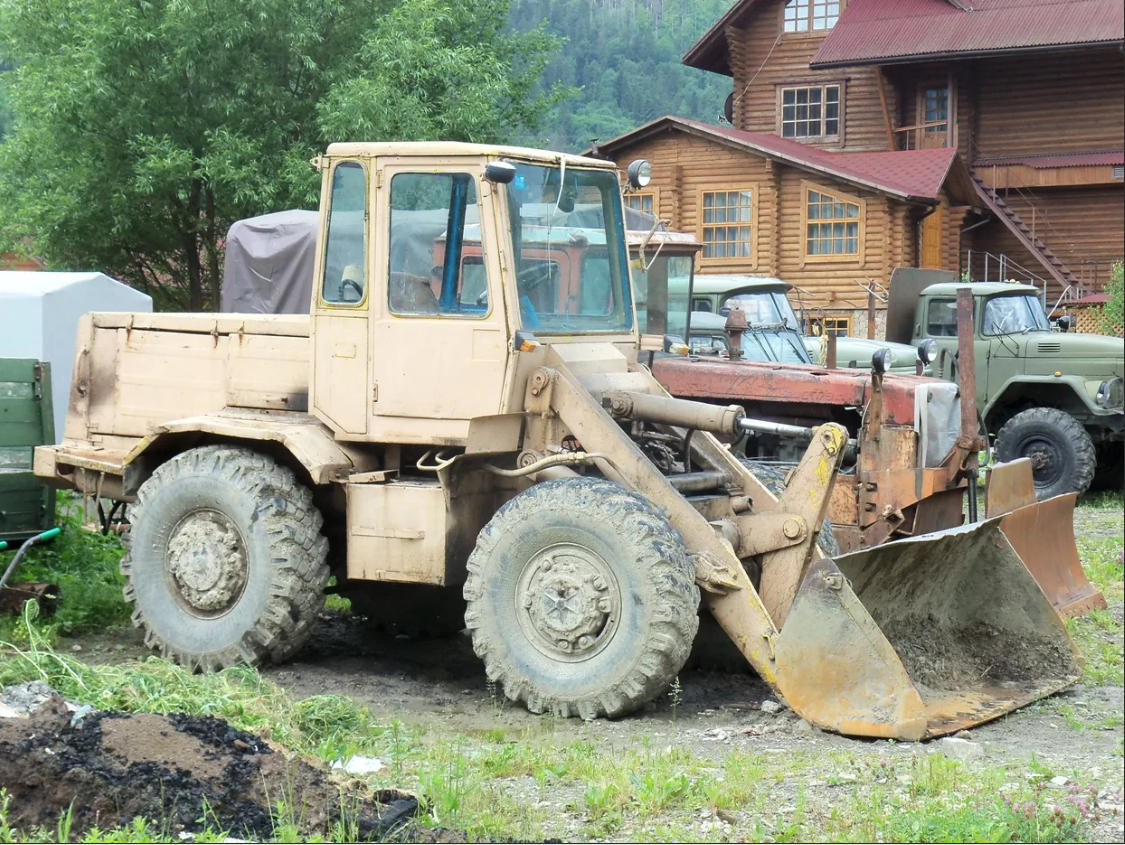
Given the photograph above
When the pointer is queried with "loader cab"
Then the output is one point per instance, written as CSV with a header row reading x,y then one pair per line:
x,y
432,256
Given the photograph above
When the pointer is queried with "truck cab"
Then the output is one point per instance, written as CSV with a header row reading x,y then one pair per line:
x,y
1052,396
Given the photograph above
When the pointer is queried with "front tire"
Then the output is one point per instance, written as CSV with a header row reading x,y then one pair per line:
x,y
1062,454
226,562
581,599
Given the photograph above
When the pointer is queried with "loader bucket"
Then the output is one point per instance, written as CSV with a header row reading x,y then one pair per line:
x,y
922,637
1043,536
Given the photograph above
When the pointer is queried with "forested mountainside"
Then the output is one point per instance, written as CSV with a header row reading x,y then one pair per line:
x,y
623,59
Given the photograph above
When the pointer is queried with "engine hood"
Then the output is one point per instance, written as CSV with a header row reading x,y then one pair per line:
x,y
1075,354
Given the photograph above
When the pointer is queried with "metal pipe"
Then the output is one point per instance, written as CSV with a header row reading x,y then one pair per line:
x,y
696,482
679,412
794,432
49,534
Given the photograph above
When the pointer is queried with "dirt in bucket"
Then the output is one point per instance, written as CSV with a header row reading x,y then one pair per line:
x,y
182,773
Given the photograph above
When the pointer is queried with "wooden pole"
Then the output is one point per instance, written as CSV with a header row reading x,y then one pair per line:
x,y
886,111
871,315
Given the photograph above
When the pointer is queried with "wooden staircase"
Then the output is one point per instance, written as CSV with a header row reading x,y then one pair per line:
x,y
1031,242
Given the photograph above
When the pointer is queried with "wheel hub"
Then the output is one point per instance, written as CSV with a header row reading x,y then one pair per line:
x,y
1044,459
568,602
207,562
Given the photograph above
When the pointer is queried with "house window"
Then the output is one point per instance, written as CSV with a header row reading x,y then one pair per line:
x,y
645,202
812,112
727,223
811,15
935,107
838,326
833,224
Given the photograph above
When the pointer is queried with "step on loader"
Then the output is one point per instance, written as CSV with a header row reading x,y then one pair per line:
x,y
462,420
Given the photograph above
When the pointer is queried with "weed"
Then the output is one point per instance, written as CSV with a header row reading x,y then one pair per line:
x,y
85,566
675,694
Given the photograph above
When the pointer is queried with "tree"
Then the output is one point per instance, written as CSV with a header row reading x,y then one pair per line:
x,y
1112,317
144,128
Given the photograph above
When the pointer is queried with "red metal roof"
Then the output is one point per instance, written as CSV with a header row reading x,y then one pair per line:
x,y
1057,160
908,174
1092,299
886,31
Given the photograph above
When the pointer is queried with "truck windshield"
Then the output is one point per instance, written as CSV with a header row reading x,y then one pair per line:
x,y
567,235
1014,315
765,310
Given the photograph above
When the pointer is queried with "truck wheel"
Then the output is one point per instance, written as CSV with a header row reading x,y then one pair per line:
x,y
226,562
581,599
773,477
1110,472
1061,451
412,610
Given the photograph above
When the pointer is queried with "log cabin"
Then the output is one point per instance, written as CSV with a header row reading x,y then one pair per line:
x,y
847,106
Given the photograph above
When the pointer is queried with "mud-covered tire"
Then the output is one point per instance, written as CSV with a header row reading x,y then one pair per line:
x,y
416,611
773,477
1057,443
586,550
1110,471
250,596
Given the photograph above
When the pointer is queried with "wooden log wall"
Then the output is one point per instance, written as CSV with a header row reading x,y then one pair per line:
x,y
684,165
760,51
1082,225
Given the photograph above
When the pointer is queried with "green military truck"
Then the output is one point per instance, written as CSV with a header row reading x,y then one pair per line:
x,y
1052,396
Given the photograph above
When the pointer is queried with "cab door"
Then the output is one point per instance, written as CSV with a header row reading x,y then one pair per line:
x,y
341,383
439,338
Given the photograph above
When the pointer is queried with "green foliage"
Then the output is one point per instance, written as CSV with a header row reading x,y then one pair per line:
x,y
84,566
143,130
1112,316
624,61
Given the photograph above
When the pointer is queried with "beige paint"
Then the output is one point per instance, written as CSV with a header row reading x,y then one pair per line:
x,y
148,386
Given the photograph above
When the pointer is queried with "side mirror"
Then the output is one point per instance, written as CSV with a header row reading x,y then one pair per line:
x,y
882,361
674,345
500,172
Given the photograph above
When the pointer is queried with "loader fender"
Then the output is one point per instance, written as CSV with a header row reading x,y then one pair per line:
x,y
301,437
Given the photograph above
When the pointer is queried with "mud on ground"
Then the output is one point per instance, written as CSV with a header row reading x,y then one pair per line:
x,y
180,772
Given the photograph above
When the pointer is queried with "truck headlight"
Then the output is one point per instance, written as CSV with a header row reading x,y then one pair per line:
x,y
639,173
1111,394
928,351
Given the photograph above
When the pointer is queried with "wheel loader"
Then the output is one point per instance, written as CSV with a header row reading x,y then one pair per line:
x,y
505,442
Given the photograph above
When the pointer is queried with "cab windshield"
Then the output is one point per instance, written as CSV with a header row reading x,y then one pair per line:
x,y
765,310
1014,315
571,273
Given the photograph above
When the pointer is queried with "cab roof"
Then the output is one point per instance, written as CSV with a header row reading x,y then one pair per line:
x,y
979,288
366,149
720,283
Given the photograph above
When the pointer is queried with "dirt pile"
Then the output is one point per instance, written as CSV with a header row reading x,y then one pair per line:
x,y
180,772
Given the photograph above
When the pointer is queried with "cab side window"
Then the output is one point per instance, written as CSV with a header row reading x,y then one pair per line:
x,y
941,318
345,255
437,263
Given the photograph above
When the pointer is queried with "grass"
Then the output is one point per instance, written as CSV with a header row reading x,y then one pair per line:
x,y
530,784
84,566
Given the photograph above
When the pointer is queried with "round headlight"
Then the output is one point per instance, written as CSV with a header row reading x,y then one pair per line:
x,y
639,173
928,351
882,361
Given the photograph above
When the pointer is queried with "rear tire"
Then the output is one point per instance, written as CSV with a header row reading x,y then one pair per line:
x,y
225,562
1060,448
581,599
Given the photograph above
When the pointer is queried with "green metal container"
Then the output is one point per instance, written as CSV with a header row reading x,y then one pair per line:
x,y
27,507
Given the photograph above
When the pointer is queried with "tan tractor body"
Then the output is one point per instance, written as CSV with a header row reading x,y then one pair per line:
x,y
421,435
